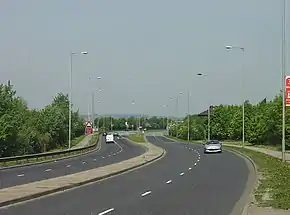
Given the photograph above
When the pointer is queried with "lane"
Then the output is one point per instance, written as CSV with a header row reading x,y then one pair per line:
x,y
108,154
184,182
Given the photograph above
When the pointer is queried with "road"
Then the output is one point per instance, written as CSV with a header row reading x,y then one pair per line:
x,y
184,182
108,154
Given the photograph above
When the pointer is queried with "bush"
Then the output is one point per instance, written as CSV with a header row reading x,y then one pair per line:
x,y
25,131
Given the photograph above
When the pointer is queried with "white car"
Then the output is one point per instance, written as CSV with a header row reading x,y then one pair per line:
x,y
109,138
212,146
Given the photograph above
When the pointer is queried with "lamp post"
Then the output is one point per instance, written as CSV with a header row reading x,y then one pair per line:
x,y
71,54
208,113
177,101
283,66
231,47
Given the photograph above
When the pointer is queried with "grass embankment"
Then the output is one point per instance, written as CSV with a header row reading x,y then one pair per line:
x,y
138,137
274,184
92,141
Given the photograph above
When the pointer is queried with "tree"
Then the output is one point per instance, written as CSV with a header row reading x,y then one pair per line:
x,y
262,123
25,131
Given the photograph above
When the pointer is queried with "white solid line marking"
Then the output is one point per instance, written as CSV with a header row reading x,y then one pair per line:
x,y
68,166
20,175
47,170
106,211
168,182
189,168
146,193
182,173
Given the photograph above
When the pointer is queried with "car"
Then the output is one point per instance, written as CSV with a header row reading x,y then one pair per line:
x,y
110,138
212,146
116,134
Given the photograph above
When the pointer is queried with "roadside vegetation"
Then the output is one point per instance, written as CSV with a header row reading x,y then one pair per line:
x,y
28,131
137,137
150,123
274,184
262,124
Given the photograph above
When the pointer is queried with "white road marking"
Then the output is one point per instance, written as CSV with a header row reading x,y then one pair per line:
x,y
168,182
121,148
68,166
182,173
103,157
106,211
189,168
146,193
95,159
20,175
47,170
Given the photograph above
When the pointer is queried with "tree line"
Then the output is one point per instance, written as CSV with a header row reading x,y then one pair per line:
x,y
26,131
263,123
132,122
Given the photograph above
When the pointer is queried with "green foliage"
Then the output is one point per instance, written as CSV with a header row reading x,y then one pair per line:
x,y
104,123
25,131
274,181
262,123
138,137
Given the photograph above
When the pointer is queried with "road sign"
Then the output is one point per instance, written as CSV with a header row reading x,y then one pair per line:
x,y
287,91
88,124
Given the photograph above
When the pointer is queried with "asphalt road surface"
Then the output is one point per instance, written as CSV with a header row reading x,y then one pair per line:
x,y
108,154
184,182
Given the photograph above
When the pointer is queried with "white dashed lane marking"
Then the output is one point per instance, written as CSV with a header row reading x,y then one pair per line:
x,y
20,175
146,193
83,162
181,174
47,170
68,166
106,211
189,168
168,182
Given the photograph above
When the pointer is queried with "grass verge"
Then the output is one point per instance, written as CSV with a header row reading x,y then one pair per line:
x,y
93,140
137,137
274,184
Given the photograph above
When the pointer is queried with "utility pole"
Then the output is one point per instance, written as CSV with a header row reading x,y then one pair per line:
x,y
283,78
208,123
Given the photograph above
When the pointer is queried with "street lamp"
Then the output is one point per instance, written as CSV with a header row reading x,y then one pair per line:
x,y
208,113
70,94
231,47
177,98
93,103
283,66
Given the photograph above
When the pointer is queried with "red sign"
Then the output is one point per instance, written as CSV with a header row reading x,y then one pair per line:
x,y
287,90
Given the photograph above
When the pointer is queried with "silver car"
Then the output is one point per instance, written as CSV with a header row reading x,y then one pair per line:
x,y
212,146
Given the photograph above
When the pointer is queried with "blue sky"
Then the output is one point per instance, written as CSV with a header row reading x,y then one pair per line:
x,y
145,51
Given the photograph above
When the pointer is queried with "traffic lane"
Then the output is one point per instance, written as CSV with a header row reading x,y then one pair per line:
x,y
26,174
108,154
214,187
116,191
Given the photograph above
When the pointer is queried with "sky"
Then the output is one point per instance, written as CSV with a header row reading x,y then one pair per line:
x,y
146,51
